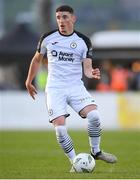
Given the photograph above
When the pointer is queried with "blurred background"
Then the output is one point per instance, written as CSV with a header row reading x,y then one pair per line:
x,y
114,29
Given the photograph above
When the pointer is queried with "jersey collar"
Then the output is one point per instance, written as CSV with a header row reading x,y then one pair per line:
x,y
64,34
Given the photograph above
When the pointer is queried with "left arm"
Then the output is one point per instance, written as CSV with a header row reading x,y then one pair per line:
x,y
89,71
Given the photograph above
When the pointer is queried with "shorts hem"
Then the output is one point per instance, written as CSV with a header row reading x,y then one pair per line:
x,y
84,107
66,115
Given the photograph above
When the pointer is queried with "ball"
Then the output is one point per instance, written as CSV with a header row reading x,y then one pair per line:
x,y
84,163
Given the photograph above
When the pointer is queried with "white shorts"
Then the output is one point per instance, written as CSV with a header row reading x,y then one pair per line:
x,y
58,99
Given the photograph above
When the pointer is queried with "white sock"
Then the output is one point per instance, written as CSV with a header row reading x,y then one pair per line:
x,y
65,142
94,130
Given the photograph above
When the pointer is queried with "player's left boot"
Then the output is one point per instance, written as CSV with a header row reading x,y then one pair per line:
x,y
107,157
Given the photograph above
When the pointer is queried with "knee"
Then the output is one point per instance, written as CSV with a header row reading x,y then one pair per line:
x,y
94,117
60,131
60,121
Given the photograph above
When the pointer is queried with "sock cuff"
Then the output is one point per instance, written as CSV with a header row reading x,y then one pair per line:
x,y
61,130
94,114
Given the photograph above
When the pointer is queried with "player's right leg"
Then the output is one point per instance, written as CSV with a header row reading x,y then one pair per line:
x,y
57,108
63,138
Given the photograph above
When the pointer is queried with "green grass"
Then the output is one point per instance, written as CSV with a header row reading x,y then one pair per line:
x,y
36,155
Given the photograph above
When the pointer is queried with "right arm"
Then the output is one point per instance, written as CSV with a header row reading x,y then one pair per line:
x,y
33,69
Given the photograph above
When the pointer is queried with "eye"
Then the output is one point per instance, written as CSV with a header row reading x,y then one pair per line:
x,y
58,17
65,16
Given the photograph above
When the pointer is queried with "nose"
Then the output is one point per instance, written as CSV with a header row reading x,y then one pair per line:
x,y
61,20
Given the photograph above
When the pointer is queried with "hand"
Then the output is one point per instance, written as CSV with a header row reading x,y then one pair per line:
x,y
96,73
31,89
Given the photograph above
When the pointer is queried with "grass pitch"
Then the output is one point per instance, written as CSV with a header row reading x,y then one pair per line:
x,y
36,155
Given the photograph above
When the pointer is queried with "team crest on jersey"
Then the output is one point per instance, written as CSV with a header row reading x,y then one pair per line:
x,y
73,45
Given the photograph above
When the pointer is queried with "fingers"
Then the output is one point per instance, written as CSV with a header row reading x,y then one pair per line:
x,y
32,94
96,73
32,91
96,70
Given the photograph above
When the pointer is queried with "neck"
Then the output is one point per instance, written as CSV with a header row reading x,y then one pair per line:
x,y
66,33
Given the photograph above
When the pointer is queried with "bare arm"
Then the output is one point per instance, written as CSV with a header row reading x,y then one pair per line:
x,y
33,69
89,71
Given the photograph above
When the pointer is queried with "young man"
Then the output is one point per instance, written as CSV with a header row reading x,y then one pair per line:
x,y
66,51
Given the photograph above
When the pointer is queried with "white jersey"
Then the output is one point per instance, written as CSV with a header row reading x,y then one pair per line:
x,y
65,55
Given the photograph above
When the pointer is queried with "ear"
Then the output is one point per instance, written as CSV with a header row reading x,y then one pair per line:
x,y
74,18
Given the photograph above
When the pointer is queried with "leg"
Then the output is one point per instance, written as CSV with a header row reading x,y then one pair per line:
x,y
57,111
63,138
94,130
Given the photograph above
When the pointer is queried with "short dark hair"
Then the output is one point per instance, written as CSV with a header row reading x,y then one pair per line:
x,y
65,8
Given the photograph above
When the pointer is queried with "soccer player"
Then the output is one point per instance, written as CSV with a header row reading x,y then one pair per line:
x,y
67,50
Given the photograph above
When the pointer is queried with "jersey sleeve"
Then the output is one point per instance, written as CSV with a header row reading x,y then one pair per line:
x,y
41,47
88,52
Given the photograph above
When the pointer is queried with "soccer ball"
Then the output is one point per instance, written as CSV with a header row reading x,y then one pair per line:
x,y
84,163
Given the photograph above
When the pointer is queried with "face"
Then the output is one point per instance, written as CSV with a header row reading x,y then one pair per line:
x,y
65,22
